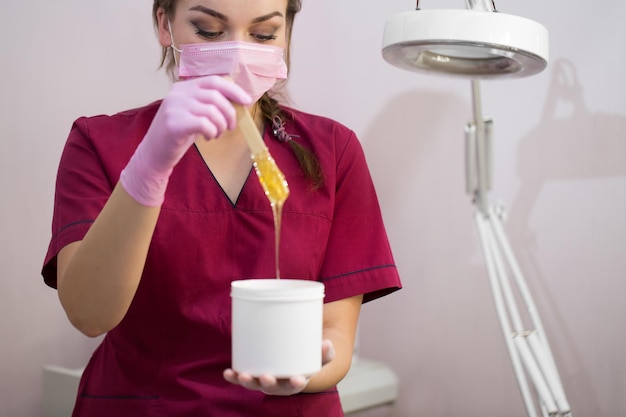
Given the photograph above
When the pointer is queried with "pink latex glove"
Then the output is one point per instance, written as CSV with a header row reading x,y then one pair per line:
x,y
201,106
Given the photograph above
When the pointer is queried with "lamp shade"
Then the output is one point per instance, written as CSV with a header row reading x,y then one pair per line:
x,y
467,43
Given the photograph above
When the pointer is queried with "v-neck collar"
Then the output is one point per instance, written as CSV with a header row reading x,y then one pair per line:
x,y
219,185
244,185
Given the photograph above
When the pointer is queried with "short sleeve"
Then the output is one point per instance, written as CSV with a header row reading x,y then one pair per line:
x,y
358,258
96,151
82,189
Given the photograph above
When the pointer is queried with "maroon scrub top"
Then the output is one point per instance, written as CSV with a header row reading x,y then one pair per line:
x,y
167,355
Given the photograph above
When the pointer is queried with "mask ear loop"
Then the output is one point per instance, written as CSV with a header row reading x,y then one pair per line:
x,y
169,27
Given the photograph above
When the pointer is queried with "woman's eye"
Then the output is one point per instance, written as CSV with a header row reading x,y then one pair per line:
x,y
207,34
202,31
265,37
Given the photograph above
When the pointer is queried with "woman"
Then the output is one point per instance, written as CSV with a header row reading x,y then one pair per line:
x,y
156,212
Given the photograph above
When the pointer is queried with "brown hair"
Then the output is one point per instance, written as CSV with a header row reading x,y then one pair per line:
x,y
268,105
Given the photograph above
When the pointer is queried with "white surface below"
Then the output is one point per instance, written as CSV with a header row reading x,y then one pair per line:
x,y
368,384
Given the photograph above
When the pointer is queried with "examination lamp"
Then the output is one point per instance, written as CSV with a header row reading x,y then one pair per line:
x,y
478,42
481,43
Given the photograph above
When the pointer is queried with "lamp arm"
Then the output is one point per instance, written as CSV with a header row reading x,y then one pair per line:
x,y
481,5
482,151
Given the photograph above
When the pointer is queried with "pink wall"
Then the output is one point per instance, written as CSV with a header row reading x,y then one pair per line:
x,y
560,169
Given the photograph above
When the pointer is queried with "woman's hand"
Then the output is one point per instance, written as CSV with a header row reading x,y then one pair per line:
x,y
201,106
271,385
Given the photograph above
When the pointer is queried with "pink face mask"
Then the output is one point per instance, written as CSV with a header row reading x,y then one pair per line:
x,y
254,67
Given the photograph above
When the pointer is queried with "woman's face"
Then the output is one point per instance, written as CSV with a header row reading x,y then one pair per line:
x,y
198,21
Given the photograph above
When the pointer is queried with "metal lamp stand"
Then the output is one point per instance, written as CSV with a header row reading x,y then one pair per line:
x,y
527,345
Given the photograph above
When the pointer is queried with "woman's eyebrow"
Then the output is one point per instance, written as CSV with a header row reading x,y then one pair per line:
x,y
267,17
224,18
210,12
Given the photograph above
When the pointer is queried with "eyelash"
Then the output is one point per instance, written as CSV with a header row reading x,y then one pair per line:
x,y
207,35
265,37
215,35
